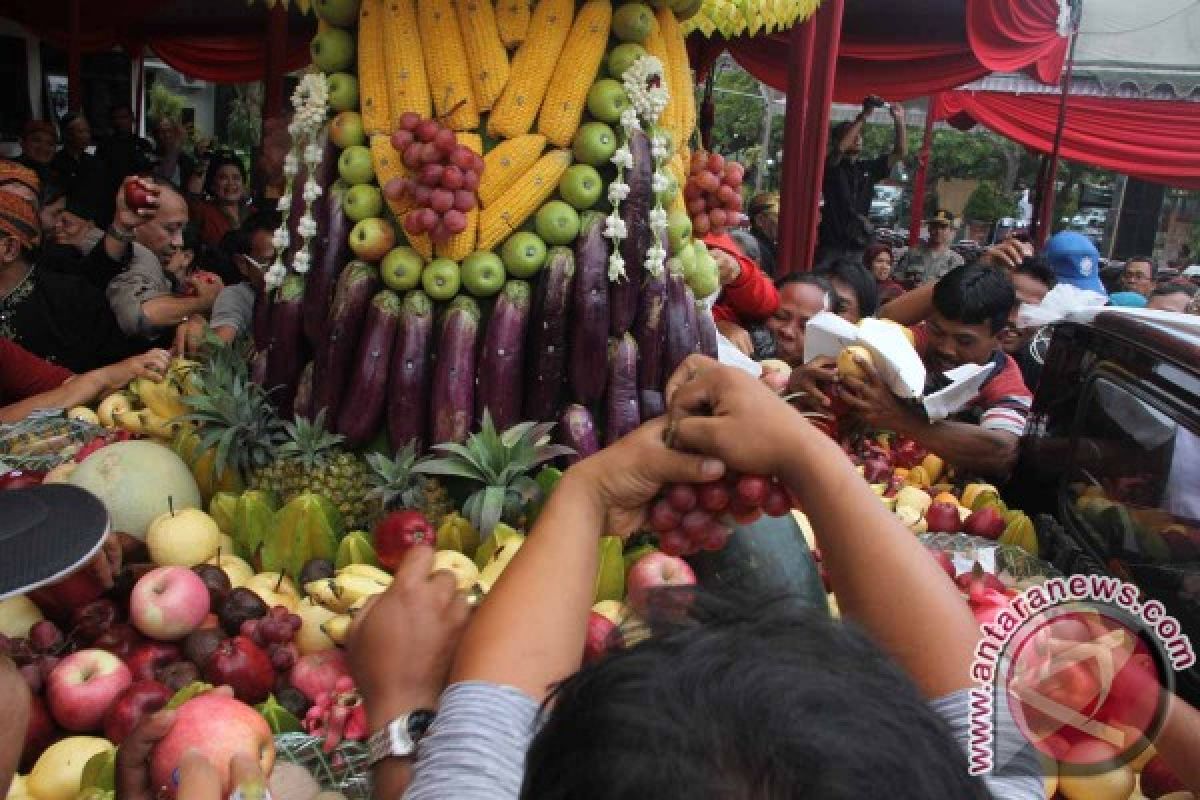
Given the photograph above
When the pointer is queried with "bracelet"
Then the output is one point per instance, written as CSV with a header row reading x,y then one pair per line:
x,y
124,237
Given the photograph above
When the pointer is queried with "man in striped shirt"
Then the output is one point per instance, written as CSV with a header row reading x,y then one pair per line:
x,y
970,310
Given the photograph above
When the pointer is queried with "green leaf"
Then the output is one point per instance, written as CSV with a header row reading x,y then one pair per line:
x,y
450,468
492,509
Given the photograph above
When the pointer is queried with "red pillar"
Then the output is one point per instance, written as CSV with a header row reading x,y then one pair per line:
x,y
74,59
276,61
794,197
828,36
922,176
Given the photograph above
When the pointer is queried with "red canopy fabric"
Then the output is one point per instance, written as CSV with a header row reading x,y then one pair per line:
x,y
1150,139
225,59
995,35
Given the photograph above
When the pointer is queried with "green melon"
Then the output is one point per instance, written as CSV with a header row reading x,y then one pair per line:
x,y
137,481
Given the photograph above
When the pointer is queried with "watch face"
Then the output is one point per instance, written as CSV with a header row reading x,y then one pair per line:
x,y
418,723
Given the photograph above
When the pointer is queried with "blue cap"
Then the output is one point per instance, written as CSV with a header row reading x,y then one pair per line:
x,y
1128,299
1075,260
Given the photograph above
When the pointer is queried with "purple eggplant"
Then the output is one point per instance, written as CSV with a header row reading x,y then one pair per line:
x,y
589,313
261,326
635,211
357,284
578,431
286,355
652,403
623,414
502,357
331,251
681,336
706,330
359,420
327,170
258,366
692,318
410,373
453,396
651,333
547,356
302,406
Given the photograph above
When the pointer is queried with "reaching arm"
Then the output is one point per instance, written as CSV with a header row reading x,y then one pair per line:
x,y
84,388
168,311
727,414
852,132
900,147
911,307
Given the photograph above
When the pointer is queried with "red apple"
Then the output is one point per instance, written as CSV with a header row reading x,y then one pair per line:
x,y
943,518
120,640
242,665
60,599
1159,779
219,727
987,522
655,570
138,194
399,531
316,673
137,701
978,575
39,733
168,603
83,686
147,658
602,636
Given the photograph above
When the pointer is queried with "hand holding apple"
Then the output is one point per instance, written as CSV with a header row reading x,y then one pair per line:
x,y
137,202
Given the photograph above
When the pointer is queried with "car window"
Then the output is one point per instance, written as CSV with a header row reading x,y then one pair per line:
x,y
1133,479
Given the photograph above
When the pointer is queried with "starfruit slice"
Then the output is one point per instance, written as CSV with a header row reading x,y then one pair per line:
x,y
355,548
456,533
307,527
610,577
253,519
223,509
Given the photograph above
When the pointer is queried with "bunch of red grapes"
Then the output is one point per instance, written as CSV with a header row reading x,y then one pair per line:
x,y
692,517
444,178
37,655
274,634
713,193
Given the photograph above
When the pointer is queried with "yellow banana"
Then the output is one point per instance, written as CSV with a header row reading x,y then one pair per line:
x,y
326,593
158,426
359,603
161,398
367,571
353,587
131,421
337,628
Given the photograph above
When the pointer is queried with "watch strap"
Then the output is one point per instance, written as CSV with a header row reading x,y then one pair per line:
x,y
399,738
124,237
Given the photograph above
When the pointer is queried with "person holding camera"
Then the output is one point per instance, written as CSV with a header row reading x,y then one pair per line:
x,y
850,182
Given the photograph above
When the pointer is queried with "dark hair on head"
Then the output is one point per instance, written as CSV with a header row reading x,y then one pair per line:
x,y
1153,264
240,241
810,278
748,698
974,294
1175,287
68,118
1039,269
120,105
218,161
839,130
52,192
861,282
873,252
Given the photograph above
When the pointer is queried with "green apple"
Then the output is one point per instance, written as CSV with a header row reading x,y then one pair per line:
x,y
686,254
346,129
483,273
606,100
557,223
705,279
332,50
633,22
372,238
668,194
343,91
679,230
337,12
354,165
401,269
581,186
594,144
685,9
621,57
441,279
523,254
362,201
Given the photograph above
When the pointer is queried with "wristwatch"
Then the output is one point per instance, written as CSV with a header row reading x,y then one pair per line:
x,y
124,237
398,739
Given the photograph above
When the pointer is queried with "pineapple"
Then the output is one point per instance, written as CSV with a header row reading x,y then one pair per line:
x,y
309,460
237,428
501,462
394,485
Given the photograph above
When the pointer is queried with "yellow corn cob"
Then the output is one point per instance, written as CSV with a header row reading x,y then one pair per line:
x,y
461,245
485,53
372,71
656,46
446,65
512,21
506,162
388,165
532,67
678,204
678,167
577,67
682,105
408,87
523,198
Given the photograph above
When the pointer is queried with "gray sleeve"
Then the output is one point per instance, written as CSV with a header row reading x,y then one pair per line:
x,y
1016,773
234,308
475,749
142,280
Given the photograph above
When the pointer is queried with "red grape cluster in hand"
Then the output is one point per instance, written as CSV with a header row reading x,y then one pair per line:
x,y
693,517
444,176
274,633
713,193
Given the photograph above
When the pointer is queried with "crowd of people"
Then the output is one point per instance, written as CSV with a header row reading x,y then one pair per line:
x,y
731,697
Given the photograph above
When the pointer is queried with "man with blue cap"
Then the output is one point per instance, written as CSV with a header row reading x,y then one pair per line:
x,y
1075,260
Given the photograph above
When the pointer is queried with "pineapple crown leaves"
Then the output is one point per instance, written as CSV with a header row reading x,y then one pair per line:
x,y
392,477
309,442
492,458
237,419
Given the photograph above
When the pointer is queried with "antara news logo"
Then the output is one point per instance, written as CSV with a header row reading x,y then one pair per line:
x,y
1082,666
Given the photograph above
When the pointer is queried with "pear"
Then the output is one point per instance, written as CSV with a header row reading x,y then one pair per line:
x,y
182,538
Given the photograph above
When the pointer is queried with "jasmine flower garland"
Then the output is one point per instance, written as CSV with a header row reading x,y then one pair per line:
x,y
311,104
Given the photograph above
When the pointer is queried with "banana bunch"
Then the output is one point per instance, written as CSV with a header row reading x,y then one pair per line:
x,y
349,588
146,407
